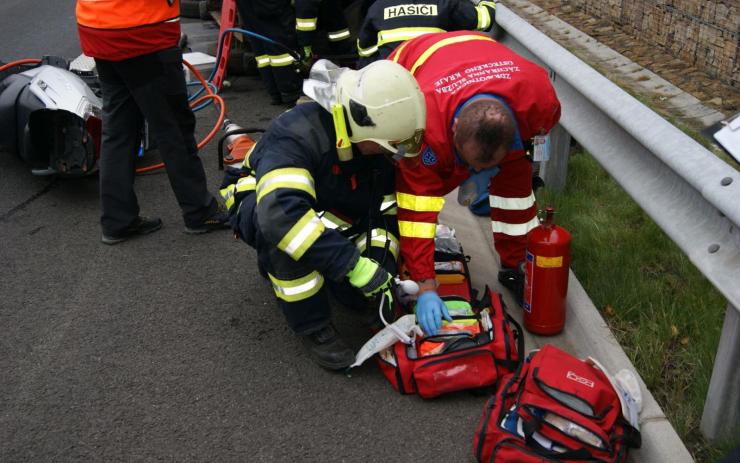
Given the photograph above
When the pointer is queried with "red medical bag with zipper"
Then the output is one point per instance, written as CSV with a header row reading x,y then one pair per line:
x,y
555,408
473,351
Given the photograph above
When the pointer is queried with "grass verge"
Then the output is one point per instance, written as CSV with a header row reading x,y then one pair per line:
x,y
665,314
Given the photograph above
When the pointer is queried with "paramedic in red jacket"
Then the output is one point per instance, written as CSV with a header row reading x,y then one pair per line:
x,y
483,101
135,46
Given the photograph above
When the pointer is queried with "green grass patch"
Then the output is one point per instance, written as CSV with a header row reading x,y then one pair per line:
x,y
665,314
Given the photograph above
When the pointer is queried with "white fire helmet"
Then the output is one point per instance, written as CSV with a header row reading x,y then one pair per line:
x,y
384,104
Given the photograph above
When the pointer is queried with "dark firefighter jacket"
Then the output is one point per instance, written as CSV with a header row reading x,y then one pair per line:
x,y
298,180
390,22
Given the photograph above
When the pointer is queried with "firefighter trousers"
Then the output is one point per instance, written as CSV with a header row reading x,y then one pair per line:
x,y
277,68
301,291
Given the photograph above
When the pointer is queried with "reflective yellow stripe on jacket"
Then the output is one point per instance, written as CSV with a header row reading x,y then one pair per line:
x,y
243,184
420,203
433,49
289,177
302,235
416,229
404,33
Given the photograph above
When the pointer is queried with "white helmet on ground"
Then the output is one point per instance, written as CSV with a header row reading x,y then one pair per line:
x,y
384,104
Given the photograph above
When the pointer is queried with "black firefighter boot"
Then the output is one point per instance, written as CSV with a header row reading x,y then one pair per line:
x,y
328,349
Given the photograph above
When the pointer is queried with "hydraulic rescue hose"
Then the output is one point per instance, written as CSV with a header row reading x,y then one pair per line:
x,y
20,62
210,95
197,102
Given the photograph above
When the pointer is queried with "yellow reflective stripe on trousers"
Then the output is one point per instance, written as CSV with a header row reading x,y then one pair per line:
x,y
511,204
420,203
443,43
514,229
305,24
302,235
484,18
262,61
290,177
404,33
336,36
365,52
333,222
378,238
281,60
298,289
416,229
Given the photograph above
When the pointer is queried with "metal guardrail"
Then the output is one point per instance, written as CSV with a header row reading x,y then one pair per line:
x,y
691,194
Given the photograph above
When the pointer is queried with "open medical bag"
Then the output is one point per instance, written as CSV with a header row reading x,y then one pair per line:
x,y
555,408
480,345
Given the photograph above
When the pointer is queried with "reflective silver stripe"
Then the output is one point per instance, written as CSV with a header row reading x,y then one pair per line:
x,y
281,60
262,61
514,229
173,20
511,204
302,235
246,183
333,222
365,52
338,35
289,177
305,24
299,289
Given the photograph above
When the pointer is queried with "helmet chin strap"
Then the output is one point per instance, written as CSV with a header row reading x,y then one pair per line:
x,y
400,154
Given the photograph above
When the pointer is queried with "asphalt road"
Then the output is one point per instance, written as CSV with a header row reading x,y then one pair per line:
x,y
170,347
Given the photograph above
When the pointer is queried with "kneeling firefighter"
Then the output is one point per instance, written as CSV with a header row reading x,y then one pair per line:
x,y
315,196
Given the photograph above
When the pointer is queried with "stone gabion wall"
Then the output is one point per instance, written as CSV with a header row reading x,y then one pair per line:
x,y
706,33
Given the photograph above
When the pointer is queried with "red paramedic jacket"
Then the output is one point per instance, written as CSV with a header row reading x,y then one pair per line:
x,y
451,68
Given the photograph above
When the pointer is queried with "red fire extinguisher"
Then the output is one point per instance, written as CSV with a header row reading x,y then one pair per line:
x,y
546,277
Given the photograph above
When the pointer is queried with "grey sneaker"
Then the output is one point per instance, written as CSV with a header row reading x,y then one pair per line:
x,y
141,226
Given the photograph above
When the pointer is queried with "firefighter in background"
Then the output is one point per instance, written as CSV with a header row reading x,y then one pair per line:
x,y
390,22
327,15
317,185
483,101
277,68
135,46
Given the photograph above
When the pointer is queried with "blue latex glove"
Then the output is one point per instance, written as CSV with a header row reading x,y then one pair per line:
x,y
474,191
430,310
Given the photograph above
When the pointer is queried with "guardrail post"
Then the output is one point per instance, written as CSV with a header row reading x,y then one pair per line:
x,y
722,407
555,171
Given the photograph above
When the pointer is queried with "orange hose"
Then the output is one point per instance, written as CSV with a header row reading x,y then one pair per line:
x,y
210,95
20,62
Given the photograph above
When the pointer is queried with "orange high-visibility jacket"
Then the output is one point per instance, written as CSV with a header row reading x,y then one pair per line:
x,y
451,68
119,29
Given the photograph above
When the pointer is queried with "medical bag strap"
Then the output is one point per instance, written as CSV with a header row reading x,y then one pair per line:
x,y
531,426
